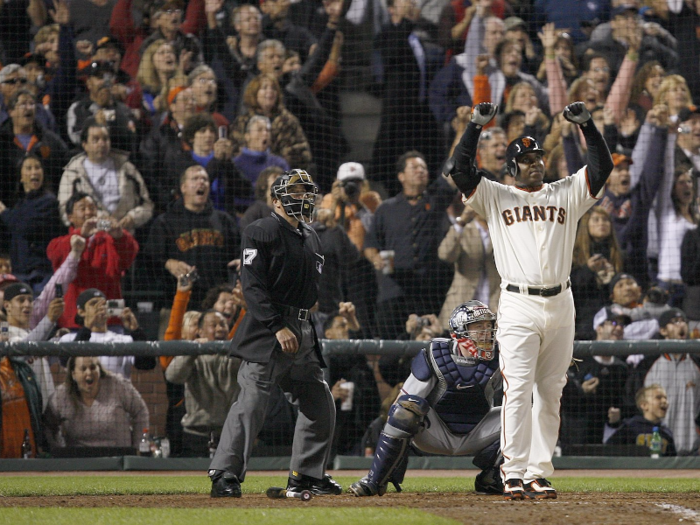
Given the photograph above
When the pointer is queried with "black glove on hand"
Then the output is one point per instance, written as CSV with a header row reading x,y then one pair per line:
x,y
483,113
577,113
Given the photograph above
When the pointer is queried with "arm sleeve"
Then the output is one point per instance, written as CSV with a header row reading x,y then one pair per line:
x,y
195,18
174,330
127,248
64,275
574,162
180,369
258,245
600,162
463,163
121,24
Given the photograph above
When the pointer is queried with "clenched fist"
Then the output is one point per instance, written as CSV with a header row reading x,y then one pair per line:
x,y
577,113
483,113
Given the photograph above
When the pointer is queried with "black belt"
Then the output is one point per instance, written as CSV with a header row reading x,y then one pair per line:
x,y
298,313
543,292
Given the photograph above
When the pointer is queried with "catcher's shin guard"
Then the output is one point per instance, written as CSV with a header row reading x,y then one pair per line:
x,y
389,456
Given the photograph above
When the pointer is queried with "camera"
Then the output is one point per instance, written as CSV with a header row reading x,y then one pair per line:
x,y
115,307
189,278
59,290
351,187
104,225
423,322
657,295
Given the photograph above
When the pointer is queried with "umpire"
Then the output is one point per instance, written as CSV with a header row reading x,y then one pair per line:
x,y
281,268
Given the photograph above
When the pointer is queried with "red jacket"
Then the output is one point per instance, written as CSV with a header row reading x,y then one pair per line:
x,y
102,266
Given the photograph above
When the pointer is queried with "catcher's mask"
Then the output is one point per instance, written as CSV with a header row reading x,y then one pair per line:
x,y
296,190
478,342
519,147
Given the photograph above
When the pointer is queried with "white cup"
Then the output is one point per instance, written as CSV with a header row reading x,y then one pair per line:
x,y
388,258
144,307
346,405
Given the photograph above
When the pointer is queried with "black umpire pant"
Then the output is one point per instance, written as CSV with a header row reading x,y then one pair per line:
x,y
299,376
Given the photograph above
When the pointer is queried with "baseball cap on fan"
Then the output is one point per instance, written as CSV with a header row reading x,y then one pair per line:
x,y
619,158
513,21
351,171
687,113
670,315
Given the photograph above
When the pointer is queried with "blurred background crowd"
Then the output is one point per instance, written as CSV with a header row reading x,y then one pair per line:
x,y
139,137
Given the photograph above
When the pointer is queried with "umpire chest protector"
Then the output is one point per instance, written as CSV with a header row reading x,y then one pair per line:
x,y
459,397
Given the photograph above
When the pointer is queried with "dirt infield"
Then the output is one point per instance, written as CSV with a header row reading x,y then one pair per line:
x,y
570,508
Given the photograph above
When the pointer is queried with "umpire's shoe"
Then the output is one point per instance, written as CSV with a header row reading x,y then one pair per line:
x,y
513,489
318,487
540,489
365,487
224,484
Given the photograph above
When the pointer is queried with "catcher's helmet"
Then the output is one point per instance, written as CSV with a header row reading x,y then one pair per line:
x,y
518,147
483,340
296,190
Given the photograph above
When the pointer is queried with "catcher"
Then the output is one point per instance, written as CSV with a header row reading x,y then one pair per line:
x,y
446,406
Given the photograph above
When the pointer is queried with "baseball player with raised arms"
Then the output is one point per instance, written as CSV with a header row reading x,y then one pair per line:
x,y
533,228
446,406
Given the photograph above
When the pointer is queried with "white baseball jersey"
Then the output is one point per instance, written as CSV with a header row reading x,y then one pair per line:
x,y
533,232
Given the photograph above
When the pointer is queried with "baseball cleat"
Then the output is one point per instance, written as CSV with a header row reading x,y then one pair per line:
x,y
317,487
365,487
540,489
513,489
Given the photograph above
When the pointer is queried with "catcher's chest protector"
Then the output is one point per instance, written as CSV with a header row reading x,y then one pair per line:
x,y
459,398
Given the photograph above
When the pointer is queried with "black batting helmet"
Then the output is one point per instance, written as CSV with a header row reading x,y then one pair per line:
x,y
518,147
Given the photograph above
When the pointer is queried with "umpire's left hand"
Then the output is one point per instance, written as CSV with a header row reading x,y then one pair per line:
x,y
288,341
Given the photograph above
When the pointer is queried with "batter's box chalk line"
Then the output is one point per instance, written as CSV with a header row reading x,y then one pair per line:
x,y
685,513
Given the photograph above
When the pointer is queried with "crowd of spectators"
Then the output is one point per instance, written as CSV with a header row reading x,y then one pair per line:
x,y
137,141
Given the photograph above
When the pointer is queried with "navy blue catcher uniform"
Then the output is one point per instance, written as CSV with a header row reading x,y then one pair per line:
x,y
446,406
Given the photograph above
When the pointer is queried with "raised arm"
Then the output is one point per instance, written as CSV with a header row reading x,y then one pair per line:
x,y
462,165
600,163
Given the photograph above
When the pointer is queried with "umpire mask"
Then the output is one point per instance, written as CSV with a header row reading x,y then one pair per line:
x,y
478,341
296,190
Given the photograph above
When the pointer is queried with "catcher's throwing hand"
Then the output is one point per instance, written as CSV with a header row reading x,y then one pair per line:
x,y
577,113
288,341
484,112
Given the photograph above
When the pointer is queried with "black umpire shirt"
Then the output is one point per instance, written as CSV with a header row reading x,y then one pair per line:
x,y
281,266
